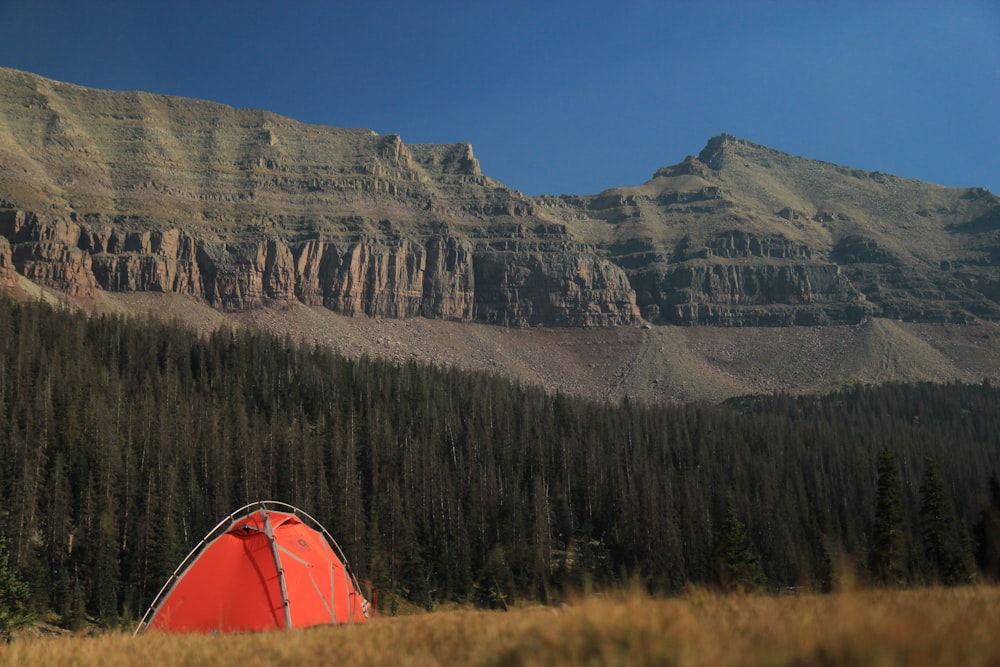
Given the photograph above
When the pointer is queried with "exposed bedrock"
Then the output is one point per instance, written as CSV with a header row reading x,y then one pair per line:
x,y
516,283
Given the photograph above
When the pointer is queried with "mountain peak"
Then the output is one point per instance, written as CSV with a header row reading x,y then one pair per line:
x,y
724,146
715,155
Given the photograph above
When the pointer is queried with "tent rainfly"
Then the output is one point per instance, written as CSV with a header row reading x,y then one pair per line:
x,y
266,566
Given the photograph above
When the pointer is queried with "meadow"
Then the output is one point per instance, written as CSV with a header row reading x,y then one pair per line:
x,y
930,626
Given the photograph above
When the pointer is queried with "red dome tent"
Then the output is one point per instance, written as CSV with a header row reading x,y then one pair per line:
x,y
266,566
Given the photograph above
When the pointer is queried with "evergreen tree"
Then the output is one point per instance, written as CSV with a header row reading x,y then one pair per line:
x,y
13,594
888,542
736,561
987,533
494,588
939,533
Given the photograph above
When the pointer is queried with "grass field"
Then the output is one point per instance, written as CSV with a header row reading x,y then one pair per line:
x,y
909,627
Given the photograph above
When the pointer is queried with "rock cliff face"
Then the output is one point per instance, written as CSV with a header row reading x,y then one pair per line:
x,y
48,254
758,295
8,276
521,283
133,192
556,283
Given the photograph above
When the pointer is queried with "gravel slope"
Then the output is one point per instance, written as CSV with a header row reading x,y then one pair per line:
x,y
700,364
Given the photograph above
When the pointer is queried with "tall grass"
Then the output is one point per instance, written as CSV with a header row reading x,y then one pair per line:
x,y
934,626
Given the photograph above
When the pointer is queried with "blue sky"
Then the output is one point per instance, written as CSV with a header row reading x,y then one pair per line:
x,y
566,97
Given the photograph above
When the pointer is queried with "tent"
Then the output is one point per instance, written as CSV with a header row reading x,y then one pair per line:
x,y
266,566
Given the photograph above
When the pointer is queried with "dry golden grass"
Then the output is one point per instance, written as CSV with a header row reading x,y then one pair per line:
x,y
937,627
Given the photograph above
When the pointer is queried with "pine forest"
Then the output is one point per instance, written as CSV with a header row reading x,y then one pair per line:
x,y
124,441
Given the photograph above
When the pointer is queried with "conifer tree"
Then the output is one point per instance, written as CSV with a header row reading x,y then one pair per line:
x,y
939,530
13,593
736,562
987,533
887,557
494,588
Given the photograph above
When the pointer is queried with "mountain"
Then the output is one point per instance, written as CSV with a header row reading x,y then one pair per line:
x,y
240,209
787,273
743,234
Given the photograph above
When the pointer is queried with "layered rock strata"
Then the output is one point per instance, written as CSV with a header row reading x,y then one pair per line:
x,y
242,209
522,283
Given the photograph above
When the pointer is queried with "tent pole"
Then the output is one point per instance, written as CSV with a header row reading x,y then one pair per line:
x,y
189,560
269,531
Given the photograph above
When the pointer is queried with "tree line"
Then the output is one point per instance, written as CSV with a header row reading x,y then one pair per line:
x,y
124,441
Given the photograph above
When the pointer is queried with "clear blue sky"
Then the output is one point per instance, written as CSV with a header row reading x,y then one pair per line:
x,y
566,97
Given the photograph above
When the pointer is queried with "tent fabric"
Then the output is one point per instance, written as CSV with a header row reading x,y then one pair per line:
x,y
261,568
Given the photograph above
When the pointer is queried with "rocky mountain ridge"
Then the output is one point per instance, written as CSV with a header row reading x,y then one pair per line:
x,y
134,192
241,209
141,203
